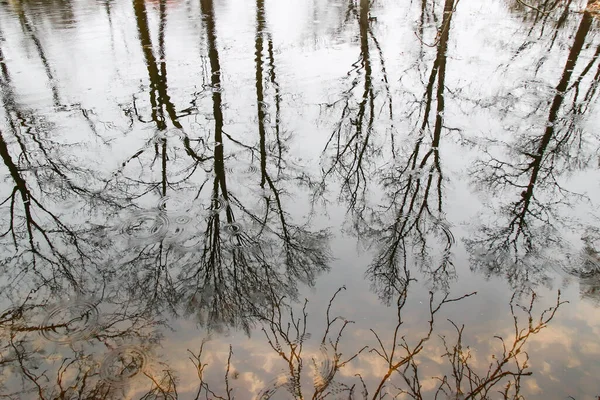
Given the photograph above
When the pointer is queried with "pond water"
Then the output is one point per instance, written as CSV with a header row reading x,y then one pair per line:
x,y
293,199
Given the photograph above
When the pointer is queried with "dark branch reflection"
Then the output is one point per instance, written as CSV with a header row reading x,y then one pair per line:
x,y
410,225
414,188
80,348
354,140
211,246
192,222
517,244
173,211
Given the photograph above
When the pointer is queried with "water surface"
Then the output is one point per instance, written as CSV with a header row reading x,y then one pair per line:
x,y
299,199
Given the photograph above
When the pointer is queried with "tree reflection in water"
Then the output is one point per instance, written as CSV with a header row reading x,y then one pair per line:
x,y
78,369
401,229
196,221
531,236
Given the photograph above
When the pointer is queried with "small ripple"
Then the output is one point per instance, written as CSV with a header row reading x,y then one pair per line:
x,y
217,204
243,168
158,139
175,233
251,169
70,322
591,264
273,386
214,88
161,136
178,204
122,364
444,226
239,241
211,144
582,265
181,219
175,132
146,226
232,229
304,337
326,371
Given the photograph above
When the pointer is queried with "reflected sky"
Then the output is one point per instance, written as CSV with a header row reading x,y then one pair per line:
x,y
299,199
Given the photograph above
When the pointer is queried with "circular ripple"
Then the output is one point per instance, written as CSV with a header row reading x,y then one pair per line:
x,y
281,381
71,322
217,204
233,228
175,233
146,226
159,138
122,364
326,370
211,145
242,168
182,219
175,132
163,203
585,265
251,169
179,204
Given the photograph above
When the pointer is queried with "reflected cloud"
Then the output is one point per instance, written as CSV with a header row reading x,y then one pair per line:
x,y
159,233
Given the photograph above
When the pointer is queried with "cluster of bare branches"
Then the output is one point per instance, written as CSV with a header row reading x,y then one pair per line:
x,y
354,141
534,167
286,334
223,272
412,216
68,365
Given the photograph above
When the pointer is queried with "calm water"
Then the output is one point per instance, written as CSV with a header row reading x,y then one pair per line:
x,y
294,199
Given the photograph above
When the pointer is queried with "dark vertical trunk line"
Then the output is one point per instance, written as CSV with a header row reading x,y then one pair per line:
x,y
153,74
161,30
441,85
422,24
164,169
578,41
215,68
162,88
441,61
364,39
366,62
20,184
273,77
260,104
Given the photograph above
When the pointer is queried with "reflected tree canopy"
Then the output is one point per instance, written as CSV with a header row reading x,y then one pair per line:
x,y
212,181
517,245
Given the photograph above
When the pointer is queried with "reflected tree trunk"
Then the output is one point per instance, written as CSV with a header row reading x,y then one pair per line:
x,y
411,187
260,101
518,246
557,101
208,14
